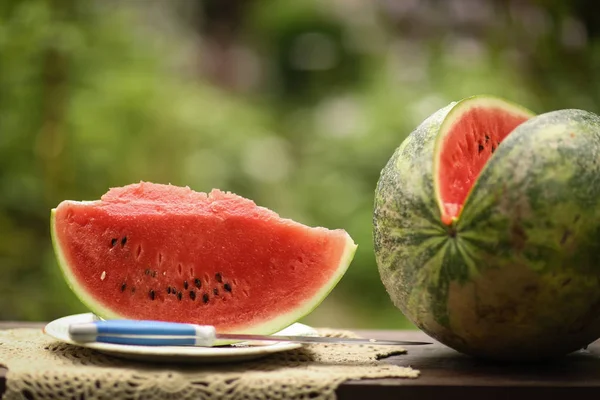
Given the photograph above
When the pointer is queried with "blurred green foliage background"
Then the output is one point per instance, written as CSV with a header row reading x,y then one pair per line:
x,y
294,104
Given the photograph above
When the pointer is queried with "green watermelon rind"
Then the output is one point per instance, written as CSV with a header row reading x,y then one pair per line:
x,y
515,276
269,327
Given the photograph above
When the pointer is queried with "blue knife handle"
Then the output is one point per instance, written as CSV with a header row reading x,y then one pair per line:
x,y
140,332
137,341
132,327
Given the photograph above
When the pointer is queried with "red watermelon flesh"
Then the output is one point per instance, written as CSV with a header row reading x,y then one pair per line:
x,y
162,252
468,141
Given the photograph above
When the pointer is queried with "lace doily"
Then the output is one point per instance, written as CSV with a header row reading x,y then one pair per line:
x,y
39,367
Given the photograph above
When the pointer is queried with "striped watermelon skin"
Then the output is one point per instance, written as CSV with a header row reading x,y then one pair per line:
x,y
517,275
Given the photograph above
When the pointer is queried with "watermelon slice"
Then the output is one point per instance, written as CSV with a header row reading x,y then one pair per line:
x,y
162,252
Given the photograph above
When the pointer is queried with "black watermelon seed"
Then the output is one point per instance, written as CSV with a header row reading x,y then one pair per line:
x,y
493,148
487,139
198,283
219,277
151,294
227,287
113,242
179,295
154,274
216,291
123,287
481,147
185,285
192,295
205,298
168,289
123,241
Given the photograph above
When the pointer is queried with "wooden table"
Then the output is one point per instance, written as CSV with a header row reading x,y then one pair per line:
x,y
445,372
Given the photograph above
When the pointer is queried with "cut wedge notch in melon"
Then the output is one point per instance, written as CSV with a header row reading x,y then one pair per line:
x,y
468,138
162,252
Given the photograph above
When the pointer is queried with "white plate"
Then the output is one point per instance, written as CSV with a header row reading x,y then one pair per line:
x,y
58,329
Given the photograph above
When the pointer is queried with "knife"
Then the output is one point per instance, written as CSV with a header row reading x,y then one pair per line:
x,y
160,333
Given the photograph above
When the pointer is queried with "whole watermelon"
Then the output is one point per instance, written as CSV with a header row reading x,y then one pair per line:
x,y
516,275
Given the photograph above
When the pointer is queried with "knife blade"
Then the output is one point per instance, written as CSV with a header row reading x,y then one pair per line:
x,y
160,333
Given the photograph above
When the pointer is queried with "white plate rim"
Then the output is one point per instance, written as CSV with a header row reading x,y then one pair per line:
x,y
58,329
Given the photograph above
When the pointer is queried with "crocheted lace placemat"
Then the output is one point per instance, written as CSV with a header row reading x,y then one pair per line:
x,y
40,367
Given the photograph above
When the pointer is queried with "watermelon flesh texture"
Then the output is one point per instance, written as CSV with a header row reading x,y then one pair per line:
x,y
471,139
161,252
